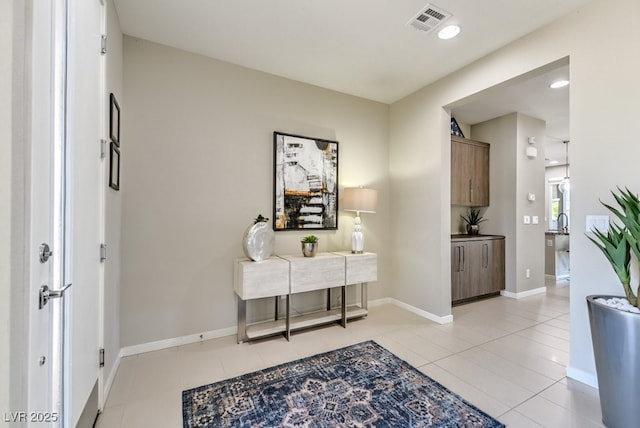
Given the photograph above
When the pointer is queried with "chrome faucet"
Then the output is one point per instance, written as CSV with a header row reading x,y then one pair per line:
x,y
565,223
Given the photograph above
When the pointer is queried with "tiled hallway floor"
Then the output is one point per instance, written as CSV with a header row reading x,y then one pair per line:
x,y
505,356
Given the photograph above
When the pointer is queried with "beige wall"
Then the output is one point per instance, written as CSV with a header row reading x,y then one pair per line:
x,y
197,167
603,155
604,70
113,206
513,176
6,54
530,238
502,133
420,168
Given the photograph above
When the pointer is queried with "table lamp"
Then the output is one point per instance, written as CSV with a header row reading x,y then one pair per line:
x,y
363,200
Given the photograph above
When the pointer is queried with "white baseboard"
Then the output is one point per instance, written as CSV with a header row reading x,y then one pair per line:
x,y
380,302
428,315
194,338
523,294
177,341
582,376
109,380
557,278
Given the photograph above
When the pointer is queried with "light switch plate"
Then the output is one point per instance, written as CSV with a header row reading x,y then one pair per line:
x,y
534,219
527,219
600,222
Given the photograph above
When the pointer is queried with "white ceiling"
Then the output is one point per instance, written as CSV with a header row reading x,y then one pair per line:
x,y
533,97
359,47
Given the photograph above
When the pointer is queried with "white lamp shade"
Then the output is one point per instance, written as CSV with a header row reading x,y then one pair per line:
x,y
360,200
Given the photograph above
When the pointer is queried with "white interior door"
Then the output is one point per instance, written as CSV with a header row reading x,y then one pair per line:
x,y
86,105
65,105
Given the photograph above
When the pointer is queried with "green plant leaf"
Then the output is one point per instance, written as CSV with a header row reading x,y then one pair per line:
x,y
473,216
616,249
621,240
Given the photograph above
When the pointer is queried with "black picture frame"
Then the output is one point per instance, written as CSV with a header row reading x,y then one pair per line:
x,y
305,183
114,119
114,167
455,128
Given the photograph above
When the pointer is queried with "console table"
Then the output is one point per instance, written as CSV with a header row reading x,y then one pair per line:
x,y
284,276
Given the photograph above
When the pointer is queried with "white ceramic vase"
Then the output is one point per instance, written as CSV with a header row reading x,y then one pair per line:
x,y
258,241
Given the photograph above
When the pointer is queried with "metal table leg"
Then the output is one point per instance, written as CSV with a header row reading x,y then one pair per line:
x,y
242,320
344,307
363,295
287,332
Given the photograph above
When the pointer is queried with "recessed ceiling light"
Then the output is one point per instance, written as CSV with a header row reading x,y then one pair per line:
x,y
449,32
559,84
553,162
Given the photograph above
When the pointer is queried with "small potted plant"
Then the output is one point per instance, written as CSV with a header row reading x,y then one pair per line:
x,y
309,246
615,320
472,219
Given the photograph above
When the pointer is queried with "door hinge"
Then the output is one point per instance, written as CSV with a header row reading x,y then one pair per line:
x,y
103,148
101,357
103,44
103,252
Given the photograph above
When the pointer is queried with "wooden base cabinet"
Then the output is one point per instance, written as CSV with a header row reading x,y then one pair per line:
x,y
477,267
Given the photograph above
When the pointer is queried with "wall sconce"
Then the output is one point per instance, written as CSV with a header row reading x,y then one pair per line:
x,y
359,199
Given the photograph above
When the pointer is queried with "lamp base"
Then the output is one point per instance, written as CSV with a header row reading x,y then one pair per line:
x,y
357,238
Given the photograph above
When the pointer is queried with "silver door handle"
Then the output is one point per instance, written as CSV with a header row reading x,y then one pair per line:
x,y
46,294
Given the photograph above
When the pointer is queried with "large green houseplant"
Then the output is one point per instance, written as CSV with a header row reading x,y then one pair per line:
x,y
619,241
615,329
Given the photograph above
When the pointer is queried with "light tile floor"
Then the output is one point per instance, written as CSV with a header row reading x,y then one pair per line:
x,y
505,356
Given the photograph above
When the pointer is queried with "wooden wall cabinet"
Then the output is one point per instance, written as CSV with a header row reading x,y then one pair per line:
x,y
469,172
477,267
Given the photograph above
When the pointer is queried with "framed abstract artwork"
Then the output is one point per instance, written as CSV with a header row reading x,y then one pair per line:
x,y
114,120
305,194
114,167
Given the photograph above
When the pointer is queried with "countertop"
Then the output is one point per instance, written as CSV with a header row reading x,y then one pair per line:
x,y
555,232
466,237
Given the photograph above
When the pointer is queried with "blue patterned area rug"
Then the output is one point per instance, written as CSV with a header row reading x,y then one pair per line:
x,y
362,385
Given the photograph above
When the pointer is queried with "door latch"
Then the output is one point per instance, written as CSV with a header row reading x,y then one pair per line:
x,y
45,252
46,294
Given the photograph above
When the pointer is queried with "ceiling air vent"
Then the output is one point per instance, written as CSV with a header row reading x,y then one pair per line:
x,y
429,18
